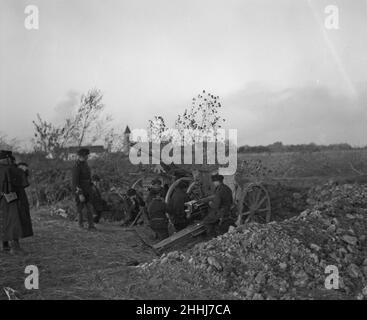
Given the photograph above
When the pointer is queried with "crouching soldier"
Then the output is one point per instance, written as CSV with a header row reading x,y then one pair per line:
x,y
157,214
82,186
134,203
219,217
155,187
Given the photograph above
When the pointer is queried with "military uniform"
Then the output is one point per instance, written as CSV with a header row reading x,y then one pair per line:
x,y
82,185
134,206
162,192
20,183
10,227
157,217
219,217
176,209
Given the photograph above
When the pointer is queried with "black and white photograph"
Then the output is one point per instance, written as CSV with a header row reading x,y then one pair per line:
x,y
183,156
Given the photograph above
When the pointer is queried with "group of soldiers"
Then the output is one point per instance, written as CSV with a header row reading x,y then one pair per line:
x,y
15,219
159,213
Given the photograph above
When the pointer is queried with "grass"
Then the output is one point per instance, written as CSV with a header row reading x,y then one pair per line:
x,y
312,164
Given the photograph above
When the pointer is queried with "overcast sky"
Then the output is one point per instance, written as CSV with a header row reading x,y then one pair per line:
x,y
281,75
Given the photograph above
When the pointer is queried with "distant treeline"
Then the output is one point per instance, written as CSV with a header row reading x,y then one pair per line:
x,y
311,147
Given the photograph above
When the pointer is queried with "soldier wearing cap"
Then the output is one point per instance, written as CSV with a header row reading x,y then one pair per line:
x,y
219,219
82,186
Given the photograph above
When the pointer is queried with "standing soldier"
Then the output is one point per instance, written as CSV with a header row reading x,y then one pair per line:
x,y
22,173
10,227
219,216
82,186
176,207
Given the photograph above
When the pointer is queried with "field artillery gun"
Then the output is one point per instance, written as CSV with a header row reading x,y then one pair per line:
x,y
199,191
251,201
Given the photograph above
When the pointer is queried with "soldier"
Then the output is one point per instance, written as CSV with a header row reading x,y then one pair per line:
x,y
10,227
176,207
156,185
82,186
157,214
134,204
22,173
219,219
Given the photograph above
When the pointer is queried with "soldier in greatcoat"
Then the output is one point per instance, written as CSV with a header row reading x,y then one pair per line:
x,y
10,226
83,189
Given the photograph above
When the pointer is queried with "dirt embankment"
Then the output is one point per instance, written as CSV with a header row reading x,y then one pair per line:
x,y
282,260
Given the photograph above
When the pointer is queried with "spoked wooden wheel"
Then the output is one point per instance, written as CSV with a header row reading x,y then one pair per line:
x,y
254,205
139,187
194,191
137,184
142,185
174,186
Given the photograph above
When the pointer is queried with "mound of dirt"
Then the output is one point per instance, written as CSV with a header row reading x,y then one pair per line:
x,y
281,260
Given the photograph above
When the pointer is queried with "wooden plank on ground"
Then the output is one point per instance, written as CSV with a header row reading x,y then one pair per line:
x,y
182,236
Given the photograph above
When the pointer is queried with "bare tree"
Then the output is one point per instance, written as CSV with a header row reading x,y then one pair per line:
x,y
48,138
88,117
87,124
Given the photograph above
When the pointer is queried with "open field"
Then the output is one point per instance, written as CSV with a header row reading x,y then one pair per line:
x,y
325,164
76,264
